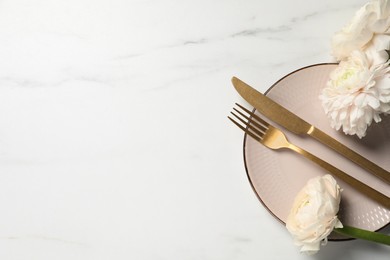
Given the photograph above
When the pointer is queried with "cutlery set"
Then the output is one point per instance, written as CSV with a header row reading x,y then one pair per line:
x,y
274,138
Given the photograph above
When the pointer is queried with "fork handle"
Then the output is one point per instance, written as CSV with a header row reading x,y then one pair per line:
x,y
351,155
358,185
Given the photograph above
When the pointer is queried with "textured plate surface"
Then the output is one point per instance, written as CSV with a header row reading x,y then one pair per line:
x,y
277,176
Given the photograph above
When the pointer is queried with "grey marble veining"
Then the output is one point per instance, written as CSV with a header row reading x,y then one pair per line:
x,y
114,142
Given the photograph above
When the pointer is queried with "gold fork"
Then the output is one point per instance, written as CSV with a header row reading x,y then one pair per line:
x,y
274,138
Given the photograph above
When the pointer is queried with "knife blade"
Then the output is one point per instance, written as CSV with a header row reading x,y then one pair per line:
x,y
297,125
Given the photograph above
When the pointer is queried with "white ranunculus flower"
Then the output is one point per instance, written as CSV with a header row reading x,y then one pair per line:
x,y
372,20
357,93
314,213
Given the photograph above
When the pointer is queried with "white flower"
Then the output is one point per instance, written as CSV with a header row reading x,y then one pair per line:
x,y
372,20
377,50
356,94
314,213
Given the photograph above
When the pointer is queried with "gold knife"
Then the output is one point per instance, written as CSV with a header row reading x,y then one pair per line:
x,y
297,125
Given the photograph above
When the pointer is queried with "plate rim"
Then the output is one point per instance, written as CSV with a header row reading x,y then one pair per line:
x,y
245,157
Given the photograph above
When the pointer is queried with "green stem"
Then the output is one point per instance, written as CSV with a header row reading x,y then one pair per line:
x,y
364,234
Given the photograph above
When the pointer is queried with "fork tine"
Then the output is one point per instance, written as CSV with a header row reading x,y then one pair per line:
x,y
250,125
254,116
252,121
257,138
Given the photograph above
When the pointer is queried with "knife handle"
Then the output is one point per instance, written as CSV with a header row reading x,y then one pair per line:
x,y
354,183
350,154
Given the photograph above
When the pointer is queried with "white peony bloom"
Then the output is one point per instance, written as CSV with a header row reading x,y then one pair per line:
x,y
377,51
314,213
357,93
372,20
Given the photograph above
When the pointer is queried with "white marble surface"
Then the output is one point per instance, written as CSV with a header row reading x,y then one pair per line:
x,y
114,141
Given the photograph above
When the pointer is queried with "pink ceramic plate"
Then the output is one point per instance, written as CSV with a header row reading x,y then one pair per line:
x,y
277,176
